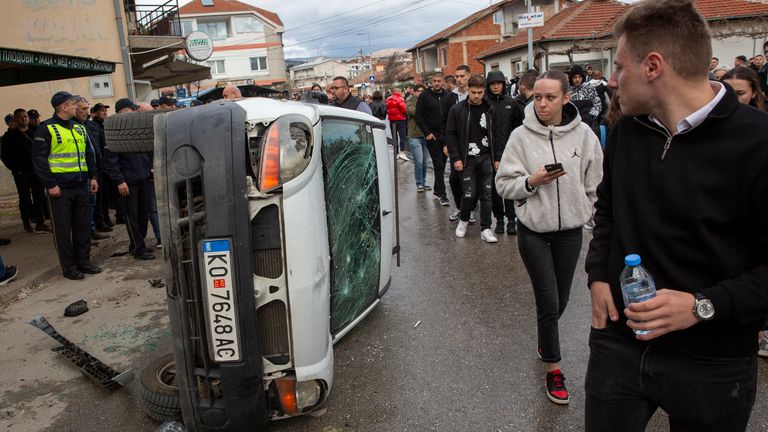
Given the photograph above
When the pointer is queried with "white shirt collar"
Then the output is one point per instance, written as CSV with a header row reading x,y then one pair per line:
x,y
696,118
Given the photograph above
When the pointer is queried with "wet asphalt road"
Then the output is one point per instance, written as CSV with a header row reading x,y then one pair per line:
x,y
470,365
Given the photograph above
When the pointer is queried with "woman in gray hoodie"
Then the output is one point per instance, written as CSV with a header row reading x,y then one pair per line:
x,y
551,167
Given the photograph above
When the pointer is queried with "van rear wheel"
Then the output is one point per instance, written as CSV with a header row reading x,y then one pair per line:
x,y
158,390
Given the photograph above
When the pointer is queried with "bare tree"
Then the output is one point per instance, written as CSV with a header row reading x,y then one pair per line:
x,y
394,71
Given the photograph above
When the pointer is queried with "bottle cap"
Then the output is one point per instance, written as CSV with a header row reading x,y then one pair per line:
x,y
632,260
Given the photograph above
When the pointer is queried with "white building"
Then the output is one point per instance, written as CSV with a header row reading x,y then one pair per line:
x,y
321,71
248,41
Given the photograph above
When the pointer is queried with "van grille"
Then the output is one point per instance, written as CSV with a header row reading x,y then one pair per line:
x,y
273,332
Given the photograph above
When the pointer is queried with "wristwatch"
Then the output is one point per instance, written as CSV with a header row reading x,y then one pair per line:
x,y
703,309
528,186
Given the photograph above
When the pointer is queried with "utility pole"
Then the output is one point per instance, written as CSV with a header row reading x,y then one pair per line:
x,y
530,39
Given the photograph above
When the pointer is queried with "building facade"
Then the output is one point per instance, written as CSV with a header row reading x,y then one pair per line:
x,y
248,41
321,71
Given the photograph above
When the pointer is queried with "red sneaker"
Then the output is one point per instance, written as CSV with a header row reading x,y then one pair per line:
x,y
556,391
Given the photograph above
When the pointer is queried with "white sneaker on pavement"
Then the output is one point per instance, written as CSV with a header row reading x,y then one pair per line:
x,y
454,216
461,229
486,235
402,156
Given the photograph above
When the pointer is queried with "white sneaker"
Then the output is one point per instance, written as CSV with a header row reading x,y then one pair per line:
x,y
461,229
454,216
486,235
402,156
472,219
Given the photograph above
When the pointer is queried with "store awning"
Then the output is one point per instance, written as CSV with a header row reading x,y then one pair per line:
x,y
173,72
24,67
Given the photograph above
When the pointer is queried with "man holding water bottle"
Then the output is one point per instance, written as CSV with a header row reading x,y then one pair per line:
x,y
685,185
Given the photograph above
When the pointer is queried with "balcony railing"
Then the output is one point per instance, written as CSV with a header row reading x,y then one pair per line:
x,y
153,19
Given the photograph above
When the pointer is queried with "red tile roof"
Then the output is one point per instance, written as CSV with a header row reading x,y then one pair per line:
x,y
596,18
448,31
222,6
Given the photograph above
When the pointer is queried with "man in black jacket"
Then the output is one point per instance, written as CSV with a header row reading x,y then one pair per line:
x,y
96,126
685,185
130,172
525,90
16,153
431,112
508,116
471,136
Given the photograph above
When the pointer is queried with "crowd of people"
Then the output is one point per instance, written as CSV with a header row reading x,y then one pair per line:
x,y
665,159
64,172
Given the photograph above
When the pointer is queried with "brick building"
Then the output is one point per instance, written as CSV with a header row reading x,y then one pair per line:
x,y
461,42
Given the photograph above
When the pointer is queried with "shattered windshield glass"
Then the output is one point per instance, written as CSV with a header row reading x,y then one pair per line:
x,y
352,195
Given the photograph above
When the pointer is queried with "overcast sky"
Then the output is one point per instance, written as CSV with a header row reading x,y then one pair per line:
x,y
330,28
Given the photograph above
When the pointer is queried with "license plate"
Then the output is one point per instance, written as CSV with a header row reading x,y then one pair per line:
x,y
220,296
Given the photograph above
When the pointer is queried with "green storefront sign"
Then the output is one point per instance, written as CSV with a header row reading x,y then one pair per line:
x,y
22,67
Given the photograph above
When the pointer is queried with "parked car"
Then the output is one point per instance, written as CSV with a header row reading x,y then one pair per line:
x,y
277,230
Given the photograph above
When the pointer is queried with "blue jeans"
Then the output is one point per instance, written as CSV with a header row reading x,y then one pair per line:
x,y
419,152
628,380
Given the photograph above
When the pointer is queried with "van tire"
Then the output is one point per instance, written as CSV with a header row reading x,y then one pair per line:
x,y
158,391
131,132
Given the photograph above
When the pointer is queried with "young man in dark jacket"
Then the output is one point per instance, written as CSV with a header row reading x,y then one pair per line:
x,y
684,186
525,90
431,112
470,139
508,116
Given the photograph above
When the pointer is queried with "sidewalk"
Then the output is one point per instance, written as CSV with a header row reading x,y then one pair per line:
x,y
126,327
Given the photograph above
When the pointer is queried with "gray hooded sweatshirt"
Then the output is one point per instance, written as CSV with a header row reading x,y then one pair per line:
x,y
568,202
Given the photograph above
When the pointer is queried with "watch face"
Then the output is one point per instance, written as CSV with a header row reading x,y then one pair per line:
x,y
705,310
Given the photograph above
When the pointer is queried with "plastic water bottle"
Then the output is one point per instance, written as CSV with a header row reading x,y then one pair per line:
x,y
170,426
636,284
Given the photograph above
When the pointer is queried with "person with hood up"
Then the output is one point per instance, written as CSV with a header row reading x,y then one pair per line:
x,y
508,117
470,136
584,96
551,168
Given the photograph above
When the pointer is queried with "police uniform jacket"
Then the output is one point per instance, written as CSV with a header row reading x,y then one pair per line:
x,y
78,172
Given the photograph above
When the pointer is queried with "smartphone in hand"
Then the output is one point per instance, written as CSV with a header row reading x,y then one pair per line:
x,y
553,167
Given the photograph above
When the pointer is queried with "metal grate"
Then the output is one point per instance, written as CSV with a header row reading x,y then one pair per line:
x,y
273,334
266,244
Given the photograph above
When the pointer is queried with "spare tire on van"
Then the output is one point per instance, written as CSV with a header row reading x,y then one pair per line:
x,y
131,132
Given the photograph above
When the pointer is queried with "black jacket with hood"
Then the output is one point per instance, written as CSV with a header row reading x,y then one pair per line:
x,y
508,115
457,131
585,97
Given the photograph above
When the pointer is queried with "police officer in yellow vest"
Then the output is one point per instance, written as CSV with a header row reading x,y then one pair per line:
x,y
66,167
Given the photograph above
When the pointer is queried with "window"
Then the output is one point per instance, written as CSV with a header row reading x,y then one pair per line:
x,y
443,56
217,67
498,17
258,63
217,30
186,27
248,25
495,67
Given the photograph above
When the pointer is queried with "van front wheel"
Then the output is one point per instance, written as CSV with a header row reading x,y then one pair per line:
x,y
158,391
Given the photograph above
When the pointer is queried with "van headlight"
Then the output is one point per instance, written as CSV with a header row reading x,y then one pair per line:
x,y
297,397
286,149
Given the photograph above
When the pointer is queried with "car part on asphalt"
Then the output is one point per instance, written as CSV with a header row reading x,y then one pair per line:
x,y
89,365
77,308
158,391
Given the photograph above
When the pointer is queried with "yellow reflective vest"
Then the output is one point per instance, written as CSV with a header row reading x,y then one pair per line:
x,y
67,149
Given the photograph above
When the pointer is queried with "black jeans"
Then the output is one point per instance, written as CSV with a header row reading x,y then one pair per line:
x,y
476,185
628,380
435,148
550,259
71,226
457,190
31,196
137,203
400,128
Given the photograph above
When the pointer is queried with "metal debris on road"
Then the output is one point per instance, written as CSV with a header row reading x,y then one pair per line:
x,y
417,324
157,283
89,365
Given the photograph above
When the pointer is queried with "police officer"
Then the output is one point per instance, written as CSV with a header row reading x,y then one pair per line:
x,y
66,167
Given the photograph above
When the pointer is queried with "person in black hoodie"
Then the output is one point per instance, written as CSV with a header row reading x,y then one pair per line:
x,y
431,113
684,186
508,116
470,136
584,96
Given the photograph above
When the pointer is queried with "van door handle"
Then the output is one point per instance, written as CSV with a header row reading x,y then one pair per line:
x,y
385,212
